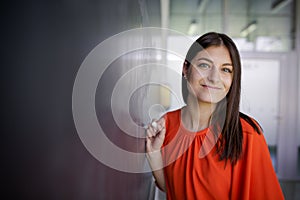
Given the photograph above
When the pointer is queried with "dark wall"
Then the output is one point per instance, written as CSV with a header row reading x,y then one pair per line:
x,y
43,45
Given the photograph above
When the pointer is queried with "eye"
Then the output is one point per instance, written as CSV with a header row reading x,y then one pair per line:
x,y
204,65
227,70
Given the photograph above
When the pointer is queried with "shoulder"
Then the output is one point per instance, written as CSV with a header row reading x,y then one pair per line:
x,y
250,125
254,142
172,116
173,113
172,123
252,133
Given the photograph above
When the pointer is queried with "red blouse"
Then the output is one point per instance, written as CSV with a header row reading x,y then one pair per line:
x,y
193,169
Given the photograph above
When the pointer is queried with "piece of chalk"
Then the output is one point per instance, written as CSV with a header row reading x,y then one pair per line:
x,y
154,124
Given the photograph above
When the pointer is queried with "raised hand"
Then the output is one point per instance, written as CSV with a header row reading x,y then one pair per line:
x,y
155,135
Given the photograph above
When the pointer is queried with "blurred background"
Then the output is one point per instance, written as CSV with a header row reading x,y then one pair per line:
x,y
44,43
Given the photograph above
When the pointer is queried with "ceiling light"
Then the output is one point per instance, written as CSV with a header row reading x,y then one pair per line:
x,y
279,4
249,29
192,28
202,6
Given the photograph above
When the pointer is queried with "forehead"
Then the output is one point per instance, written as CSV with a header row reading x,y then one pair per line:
x,y
215,54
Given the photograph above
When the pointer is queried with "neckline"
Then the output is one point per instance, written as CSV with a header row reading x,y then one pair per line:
x,y
187,131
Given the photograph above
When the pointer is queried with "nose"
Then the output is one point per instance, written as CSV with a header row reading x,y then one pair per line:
x,y
213,75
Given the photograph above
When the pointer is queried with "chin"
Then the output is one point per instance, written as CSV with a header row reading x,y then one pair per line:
x,y
212,100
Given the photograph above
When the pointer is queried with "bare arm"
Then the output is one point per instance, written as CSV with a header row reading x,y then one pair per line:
x,y
154,140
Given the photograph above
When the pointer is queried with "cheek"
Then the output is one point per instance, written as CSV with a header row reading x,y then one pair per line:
x,y
227,82
196,74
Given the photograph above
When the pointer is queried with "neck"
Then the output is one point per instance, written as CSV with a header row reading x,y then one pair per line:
x,y
196,115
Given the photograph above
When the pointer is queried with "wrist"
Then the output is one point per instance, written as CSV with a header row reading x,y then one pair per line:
x,y
153,153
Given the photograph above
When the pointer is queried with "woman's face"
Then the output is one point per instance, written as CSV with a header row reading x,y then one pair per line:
x,y
210,74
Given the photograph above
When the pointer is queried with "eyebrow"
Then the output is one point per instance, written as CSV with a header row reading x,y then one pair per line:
x,y
210,61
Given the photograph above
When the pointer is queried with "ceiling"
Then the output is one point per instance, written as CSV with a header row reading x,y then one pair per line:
x,y
273,30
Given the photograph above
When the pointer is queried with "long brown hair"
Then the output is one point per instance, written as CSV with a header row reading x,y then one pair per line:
x,y
230,144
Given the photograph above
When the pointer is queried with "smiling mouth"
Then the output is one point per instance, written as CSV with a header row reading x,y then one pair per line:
x,y
211,87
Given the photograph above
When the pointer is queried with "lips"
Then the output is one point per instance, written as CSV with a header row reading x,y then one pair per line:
x,y
211,87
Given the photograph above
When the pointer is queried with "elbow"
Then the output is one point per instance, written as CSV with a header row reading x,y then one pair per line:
x,y
161,186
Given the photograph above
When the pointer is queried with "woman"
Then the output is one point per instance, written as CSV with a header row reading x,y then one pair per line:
x,y
208,149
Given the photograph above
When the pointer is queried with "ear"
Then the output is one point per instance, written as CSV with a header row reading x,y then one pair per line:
x,y
185,69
